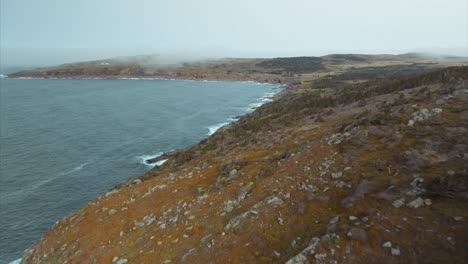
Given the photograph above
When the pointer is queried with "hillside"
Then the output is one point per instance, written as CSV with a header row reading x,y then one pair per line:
x,y
362,160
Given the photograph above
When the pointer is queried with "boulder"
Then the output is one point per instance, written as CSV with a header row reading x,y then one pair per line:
x,y
416,203
358,234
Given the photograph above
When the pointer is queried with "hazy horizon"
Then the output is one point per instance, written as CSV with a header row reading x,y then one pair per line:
x,y
49,32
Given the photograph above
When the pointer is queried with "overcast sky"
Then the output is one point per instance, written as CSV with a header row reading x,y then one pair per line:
x,y
48,32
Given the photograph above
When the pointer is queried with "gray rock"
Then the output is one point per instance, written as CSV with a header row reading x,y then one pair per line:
x,y
334,220
395,251
244,191
427,201
137,181
458,218
387,244
416,203
398,203
122,261
418,180
422,115
352,218
298,259
233,172
149,219
340,184
320,256
308,251
229,205
280,220
337,175
440,102
112,211
358,234
437,111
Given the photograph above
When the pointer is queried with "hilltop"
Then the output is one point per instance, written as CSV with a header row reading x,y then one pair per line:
x,y
362,159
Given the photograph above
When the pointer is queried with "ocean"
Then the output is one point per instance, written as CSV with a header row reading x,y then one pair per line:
x,y
64,142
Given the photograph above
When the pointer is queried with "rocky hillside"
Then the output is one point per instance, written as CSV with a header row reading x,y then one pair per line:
x,y
305,69
370,171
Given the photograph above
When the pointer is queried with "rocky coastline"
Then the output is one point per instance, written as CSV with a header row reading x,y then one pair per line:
x,y
339,169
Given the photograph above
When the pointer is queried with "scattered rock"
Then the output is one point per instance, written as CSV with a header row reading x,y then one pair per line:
x,y
427,201
358,234
137,181
398,203
233,172
436,111
308,251
418,180
280,220
320,256
421,115
229,205
298,259
387,244
112,211
244,191
336,175
418,202
119,261
334,220
341,184
395,251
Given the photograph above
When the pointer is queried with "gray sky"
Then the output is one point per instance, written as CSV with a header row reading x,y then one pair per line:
x,y
48,32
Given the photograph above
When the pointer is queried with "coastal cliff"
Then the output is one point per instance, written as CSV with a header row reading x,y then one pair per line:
x,y
362,160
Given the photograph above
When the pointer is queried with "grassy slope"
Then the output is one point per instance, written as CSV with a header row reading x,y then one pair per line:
x,y
262,188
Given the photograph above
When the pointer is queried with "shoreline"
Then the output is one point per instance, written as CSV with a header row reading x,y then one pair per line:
x,y
267,98
286,86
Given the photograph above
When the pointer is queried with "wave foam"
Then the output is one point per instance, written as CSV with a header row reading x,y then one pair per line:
x,y
212,129
159,163
77,168
143,158
18,261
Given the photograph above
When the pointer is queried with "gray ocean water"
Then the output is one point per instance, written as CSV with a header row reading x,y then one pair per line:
x,y
65,142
